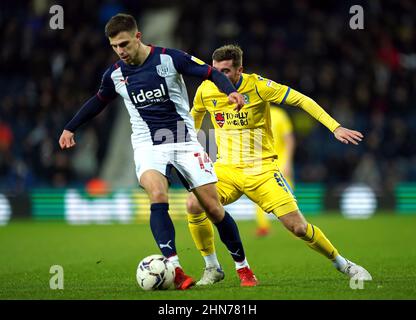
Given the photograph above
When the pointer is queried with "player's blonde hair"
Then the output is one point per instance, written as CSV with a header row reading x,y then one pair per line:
x,y
229,52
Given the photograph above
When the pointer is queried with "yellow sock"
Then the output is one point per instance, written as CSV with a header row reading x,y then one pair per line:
x,y
316,239
202,233
262,220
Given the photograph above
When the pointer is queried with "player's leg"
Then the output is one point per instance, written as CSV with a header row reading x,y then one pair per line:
x,y
316,240
272,193
227,229
313,236
151,171
196,168
199,225
202,233
202,230
275,195
156,186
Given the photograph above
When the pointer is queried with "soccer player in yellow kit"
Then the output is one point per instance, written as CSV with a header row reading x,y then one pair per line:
x,y
247,161
284,144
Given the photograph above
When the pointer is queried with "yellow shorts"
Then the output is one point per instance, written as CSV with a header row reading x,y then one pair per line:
x,y
265,186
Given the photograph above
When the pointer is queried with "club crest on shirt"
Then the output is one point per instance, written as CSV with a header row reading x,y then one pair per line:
x,y
162,70
219,118
246,98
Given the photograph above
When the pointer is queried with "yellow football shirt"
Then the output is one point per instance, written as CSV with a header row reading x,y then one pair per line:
x,y
245,137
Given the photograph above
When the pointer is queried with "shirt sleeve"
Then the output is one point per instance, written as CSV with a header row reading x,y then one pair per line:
x,y
198,110
88,111
271,91
297,99
189,65
95,104
107,91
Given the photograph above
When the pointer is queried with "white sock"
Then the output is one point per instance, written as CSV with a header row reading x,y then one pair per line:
x,y
340,262
211,261
175,261
242,264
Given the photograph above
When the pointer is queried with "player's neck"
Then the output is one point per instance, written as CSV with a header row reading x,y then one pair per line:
x,y
142,55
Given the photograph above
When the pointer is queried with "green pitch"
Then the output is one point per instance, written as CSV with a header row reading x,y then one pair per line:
x,y
99,261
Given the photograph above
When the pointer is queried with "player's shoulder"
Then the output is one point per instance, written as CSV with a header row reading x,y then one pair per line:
x,y
175,53
263,83
110,69
254,77
182,56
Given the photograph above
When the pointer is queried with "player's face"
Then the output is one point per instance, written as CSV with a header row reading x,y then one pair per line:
x,y
126,45
227,68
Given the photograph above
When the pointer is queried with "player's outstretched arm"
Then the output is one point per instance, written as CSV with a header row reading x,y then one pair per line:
x,y
88,111
67,139
346,135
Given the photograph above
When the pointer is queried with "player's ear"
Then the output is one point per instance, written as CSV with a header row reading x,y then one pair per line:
x,y
138,35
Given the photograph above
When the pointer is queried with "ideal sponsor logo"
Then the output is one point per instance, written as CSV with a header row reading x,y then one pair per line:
x,y
149,96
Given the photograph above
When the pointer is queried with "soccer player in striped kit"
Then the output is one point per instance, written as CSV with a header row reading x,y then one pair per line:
x,y
149,79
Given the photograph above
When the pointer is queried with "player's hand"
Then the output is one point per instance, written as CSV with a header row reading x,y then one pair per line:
x,y
235,97
67,139
346,135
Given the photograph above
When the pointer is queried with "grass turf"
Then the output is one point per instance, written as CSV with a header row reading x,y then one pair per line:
x,y
100,261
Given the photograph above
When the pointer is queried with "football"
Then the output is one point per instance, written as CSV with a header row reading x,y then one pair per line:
x,y
155,272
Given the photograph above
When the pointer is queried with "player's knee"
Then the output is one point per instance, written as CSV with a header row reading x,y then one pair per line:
x,y
214,211
299,229
193,206
158,196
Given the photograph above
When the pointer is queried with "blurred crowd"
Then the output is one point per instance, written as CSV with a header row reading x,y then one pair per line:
x,y
365,78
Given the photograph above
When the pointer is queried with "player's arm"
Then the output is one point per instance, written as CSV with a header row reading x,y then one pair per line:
x,y
192,66
89,110
281,94
198,110
342,134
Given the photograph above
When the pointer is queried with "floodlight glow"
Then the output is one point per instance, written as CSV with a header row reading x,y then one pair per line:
x,y
358,202
5,210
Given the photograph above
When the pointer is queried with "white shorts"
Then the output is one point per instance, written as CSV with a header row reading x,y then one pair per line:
x,y
189,158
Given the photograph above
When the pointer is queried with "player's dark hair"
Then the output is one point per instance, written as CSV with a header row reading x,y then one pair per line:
x,y
119,23
229,52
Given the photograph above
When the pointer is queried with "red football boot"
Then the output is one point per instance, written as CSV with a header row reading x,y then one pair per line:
x,y
247,277
182,281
